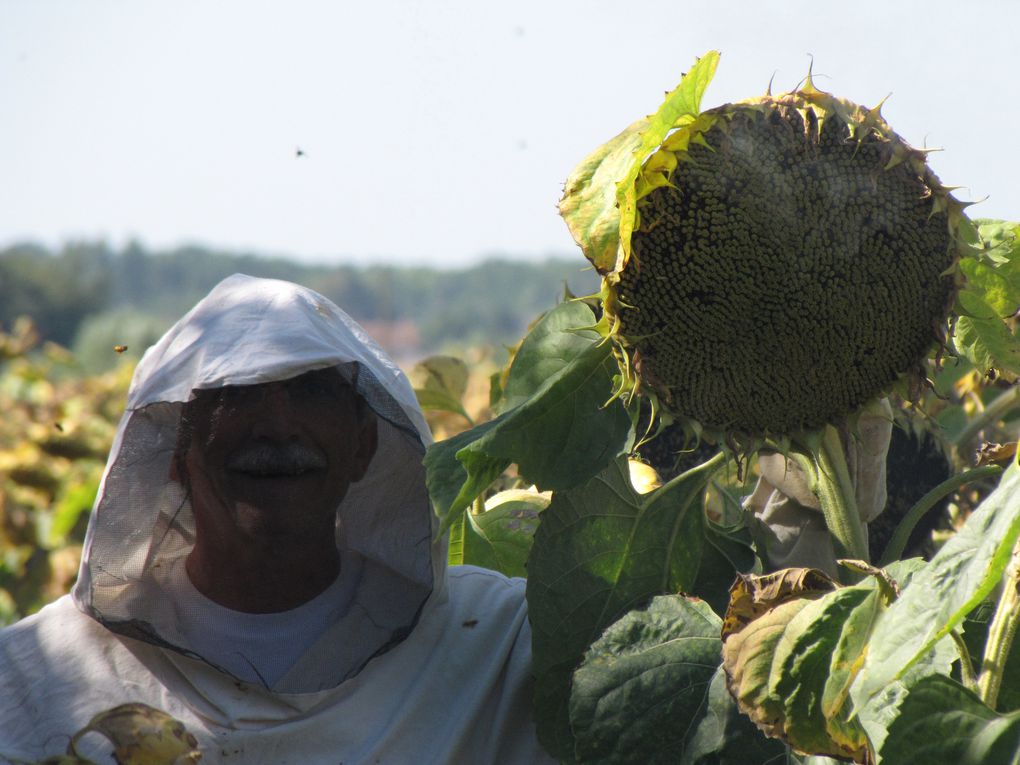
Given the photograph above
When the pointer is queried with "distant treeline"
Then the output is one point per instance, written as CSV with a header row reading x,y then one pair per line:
x,y
87,295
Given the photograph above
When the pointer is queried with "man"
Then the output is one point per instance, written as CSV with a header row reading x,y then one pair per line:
x,y
261,563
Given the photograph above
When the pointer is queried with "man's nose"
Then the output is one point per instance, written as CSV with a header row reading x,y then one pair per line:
x,y
274,415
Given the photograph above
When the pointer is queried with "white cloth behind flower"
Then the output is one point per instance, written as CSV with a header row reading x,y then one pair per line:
x,y
788,521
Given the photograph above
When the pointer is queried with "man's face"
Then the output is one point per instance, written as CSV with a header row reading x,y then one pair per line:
x,y
274,460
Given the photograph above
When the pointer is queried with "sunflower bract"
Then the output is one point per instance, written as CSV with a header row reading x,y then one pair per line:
x,y
791,258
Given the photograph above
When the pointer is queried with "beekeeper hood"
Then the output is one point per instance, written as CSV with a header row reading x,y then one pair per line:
x,y
249,331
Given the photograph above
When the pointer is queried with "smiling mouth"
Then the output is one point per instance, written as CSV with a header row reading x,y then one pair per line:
x,y
262,460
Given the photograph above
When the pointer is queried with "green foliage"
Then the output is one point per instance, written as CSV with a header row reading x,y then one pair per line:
x,y
826,671
558,437
601,550
557,338
975,636
726,551
412,310
440,383
58,291
54,437
991,294
942,723
598,202
500,536
649,671
797,663
960,576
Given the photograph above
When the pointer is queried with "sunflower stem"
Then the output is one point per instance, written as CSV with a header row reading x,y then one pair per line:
x,y
993,412
901,536
838,498
708,468
1001,633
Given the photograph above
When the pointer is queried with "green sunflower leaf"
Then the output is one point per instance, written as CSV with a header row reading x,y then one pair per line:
x,y
989,296
939,596
500,538
591,204
942,723
651,690
560,435
726,550
440,401
601,550
988,343
559,337
648,671
996,272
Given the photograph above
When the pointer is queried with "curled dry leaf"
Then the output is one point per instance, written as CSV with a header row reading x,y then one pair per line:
x,y
752,596
791,643
759,609
991,453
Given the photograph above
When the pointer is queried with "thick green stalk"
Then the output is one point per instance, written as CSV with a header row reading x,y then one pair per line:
x,y
993,412
1001,633
898,543
708,468
838,498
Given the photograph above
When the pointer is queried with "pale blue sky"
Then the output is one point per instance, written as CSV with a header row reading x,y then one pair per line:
x,y
435,132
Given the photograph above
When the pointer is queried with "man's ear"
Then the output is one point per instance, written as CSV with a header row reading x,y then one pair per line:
x,y
368,442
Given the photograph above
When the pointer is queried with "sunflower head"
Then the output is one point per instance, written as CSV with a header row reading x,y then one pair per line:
x,y
780,261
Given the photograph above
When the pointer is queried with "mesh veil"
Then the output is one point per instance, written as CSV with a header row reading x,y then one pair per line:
x,y
249,331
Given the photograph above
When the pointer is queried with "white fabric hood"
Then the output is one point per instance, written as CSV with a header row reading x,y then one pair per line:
x,y
249,331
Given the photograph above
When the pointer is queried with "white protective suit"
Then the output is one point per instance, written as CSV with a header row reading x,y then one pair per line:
x,y
422,665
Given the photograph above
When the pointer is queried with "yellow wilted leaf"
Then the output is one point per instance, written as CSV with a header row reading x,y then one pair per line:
x,y
143,735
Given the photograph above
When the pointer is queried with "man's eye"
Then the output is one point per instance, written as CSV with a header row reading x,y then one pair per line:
x,y
319,384
318,388
235,395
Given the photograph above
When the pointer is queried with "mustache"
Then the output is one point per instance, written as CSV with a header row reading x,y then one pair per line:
x,y
267,458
